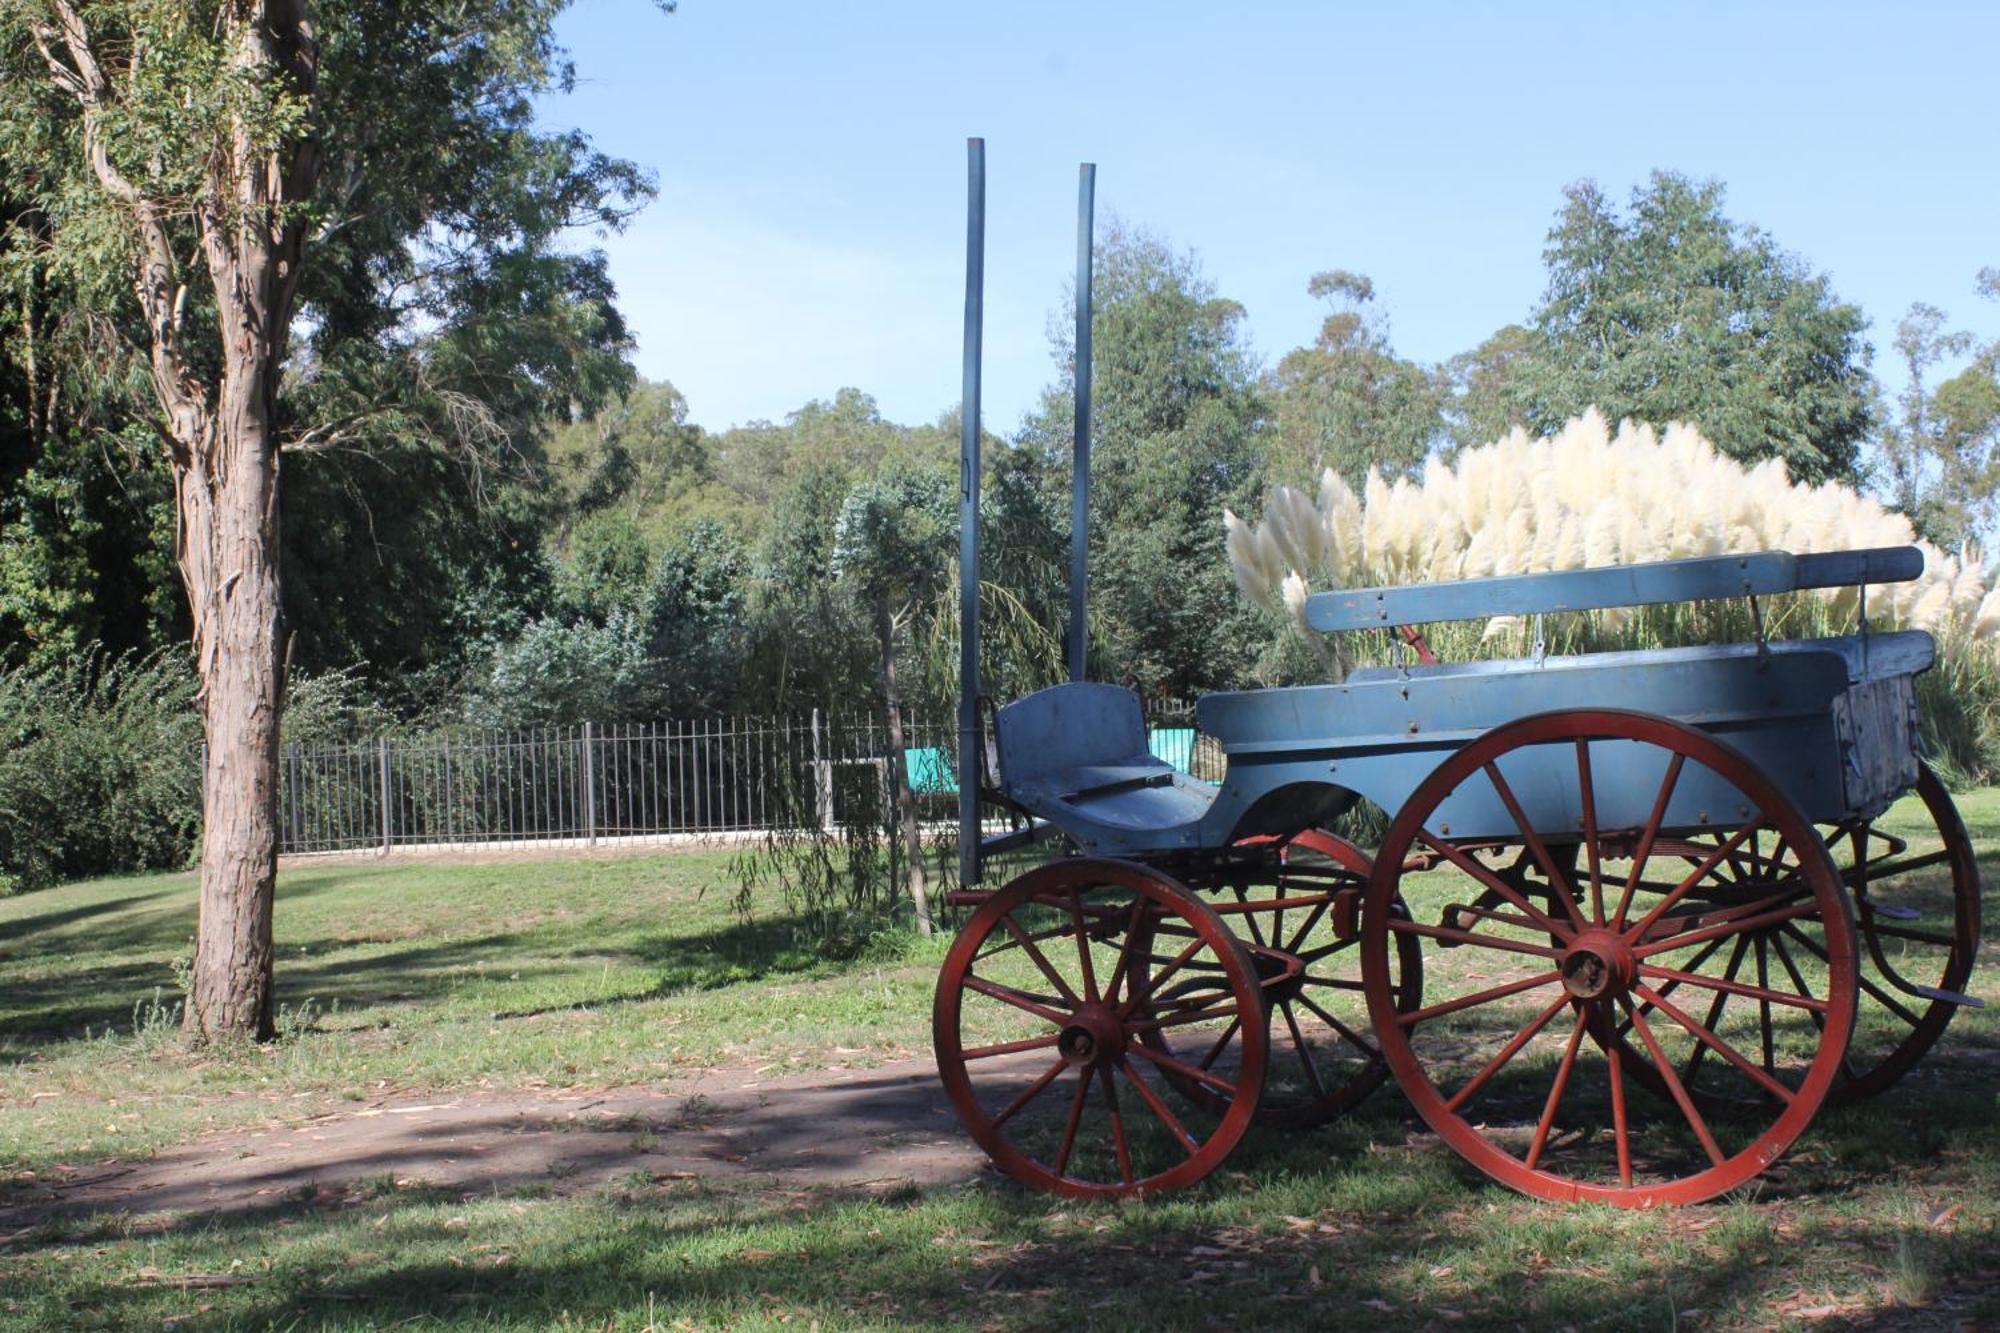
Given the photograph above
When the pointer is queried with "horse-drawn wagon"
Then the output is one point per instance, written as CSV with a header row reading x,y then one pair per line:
x,y
1636,916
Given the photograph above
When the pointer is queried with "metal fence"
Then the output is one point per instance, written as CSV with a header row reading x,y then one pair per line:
x,y
588,784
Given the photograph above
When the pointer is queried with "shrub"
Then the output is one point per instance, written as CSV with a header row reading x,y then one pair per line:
x,y
99,767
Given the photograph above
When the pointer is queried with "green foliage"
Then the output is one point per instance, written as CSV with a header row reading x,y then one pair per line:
x,y
1484,400
98,767
1676,313
1941,444
1178,420
1348,402
695,609
448,321
560,672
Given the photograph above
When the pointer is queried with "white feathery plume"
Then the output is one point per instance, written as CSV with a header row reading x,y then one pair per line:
x,y
1986,621
1241,544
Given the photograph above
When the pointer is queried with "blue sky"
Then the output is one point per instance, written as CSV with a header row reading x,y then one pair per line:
x,y
809,228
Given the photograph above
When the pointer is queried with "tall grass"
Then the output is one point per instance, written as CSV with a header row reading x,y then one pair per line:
x,y
1587,497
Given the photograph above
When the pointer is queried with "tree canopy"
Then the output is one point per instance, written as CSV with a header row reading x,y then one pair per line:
x,y
1673,312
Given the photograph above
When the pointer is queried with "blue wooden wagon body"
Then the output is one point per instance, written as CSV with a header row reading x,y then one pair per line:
x,y
1832,721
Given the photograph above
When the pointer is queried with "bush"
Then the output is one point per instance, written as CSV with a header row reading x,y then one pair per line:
x,y
99,768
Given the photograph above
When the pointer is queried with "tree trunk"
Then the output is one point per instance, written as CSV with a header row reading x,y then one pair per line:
x,y
906,800
229,559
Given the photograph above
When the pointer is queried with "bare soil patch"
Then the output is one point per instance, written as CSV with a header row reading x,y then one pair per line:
x,y
887,1126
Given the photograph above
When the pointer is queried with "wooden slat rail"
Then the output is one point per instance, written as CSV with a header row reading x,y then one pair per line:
x,y
1703,578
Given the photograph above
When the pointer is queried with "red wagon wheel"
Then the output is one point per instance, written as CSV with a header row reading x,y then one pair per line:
x,y
1298,914
1040,1019
1917,909
1496,1060
1917,919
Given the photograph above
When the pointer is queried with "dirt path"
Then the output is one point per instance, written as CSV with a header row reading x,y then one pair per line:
x,y
884,1126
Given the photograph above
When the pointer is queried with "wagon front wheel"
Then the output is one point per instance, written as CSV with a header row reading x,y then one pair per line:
x,y
1042,1019
1578,940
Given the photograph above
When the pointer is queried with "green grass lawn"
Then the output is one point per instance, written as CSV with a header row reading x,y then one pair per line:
x,y
414,977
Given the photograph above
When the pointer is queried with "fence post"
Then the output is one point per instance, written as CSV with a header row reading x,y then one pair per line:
x,y
294,813
589,785
387,835
822,781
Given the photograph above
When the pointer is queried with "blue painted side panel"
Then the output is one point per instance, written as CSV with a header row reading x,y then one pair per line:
x,y
1702,579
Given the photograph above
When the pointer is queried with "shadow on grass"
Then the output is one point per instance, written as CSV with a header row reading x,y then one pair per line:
x,y
1229,1254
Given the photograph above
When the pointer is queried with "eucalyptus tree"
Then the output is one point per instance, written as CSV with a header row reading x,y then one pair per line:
x,y
1941,442
315,227
1348,402
1672,311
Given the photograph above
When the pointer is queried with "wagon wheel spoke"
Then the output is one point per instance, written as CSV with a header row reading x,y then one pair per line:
x,y
1559,883
1075,1122
1567,1064
1889,869
1343,1029
1011,1047
1587,793
1452,1006
1915,936
1161,1111
1762,993
1118,1141
1301,1049
1716,1005
1041,962
1032,1091
1492,881
1687,884
1482,939
1249,918
1707,950
1621,1130
1647,836
1180,960
1021,1000
1680,1093
1868,987
1121,972
1463,1097
1083,947
1762,921
1185,1070
1221,1043
1313,919
1706,1036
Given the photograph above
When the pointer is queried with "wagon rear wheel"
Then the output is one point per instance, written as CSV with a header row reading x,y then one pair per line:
x,y
1519,1057
1298,914
1040,1023
1916,902
1917,910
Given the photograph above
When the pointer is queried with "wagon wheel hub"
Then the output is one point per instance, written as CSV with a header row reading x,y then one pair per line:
x,y
1598,964
1093,1036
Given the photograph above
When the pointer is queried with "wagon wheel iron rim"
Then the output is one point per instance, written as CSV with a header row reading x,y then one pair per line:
x,y
1936,947
1296,915
1038,1020
1496,1060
